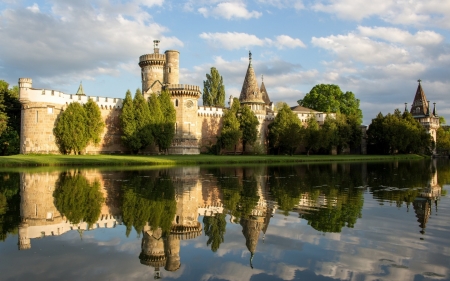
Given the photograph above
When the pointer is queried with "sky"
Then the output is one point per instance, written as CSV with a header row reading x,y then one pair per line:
x,y
375,49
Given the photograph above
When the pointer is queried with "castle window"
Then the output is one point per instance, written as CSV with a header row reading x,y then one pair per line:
x,y
176,128
176,102
50,110
70,96
37,116
106,99
98,99
49,216
53,92
115,99
43,92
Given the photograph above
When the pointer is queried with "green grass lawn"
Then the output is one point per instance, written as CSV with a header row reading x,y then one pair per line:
x,y
172,160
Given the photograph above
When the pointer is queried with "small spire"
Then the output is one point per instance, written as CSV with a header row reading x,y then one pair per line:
x,y
262,78
428,107
250,57
251,260
419,81
406,105
434,109
80,90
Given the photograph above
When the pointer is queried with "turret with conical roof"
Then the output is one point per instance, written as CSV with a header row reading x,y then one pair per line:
x,y
80,91
250,93
420,106
264,94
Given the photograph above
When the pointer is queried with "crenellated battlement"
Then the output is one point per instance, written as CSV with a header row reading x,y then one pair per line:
x,y
184,90
210,111
152,59
53,97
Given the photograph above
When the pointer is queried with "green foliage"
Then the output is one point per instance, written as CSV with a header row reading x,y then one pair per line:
x,y
213,89
442,141
94,122
442,120
397,133
311,135
9,204
142,118
149,199
230,133
215,228
341,132
285,133
77,199
165,127
70,130
10,115
248,125
128,124
330,98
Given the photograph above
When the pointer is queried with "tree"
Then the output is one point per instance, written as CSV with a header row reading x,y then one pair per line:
x,y
442,141
128,124
10,115
311,135
142,118
230,133
248,125
77,199
167,124
70,129
285,131
94,122
330,98
215,228
213,89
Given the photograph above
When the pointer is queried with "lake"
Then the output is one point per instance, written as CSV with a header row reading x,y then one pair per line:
x,y
338,221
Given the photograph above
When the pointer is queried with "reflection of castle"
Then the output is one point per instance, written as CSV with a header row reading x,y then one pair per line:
x,y
39,215
423,203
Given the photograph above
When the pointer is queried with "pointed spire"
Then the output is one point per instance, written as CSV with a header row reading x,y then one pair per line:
x,y
434,110
406,107
428,107
419,106
80,91
250,92
264,94
251,260
249,58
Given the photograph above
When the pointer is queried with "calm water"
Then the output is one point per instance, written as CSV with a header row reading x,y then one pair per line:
x,y
362,221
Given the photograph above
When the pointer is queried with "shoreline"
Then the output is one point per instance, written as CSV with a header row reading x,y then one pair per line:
x,y
45,160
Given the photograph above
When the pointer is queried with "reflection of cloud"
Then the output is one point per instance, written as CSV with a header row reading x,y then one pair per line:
x,y
231,271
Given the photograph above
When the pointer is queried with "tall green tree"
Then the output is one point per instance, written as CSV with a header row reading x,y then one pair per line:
x,y
213,89
142,117
166,131
215,228
311,135
9,204
230,133
70,129
94,122
285,131
330,98
128,124
442,141
77,199
10,115
248,123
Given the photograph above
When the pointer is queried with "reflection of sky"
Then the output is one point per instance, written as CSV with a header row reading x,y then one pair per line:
x,y
385,244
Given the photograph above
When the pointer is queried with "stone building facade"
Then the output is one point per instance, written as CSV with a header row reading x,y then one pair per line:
x,y
196,128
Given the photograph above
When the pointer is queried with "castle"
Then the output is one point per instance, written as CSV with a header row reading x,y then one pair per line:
x,y
196,127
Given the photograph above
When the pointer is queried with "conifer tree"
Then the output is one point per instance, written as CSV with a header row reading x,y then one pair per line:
x,y
168,121
128,124
213,89
285,131
248,125
231,133
156,117
70,129
94,122
311,135
142,117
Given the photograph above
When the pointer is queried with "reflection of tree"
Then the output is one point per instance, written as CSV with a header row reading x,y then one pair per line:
x,y
231,189
9,204
249,196
148,200
77,199
214,227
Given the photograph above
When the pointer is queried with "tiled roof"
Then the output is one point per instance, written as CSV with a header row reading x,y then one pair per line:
x,y
300,108
250,91
80,90
420,104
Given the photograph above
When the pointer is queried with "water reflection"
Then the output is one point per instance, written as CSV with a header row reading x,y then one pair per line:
x,y
166,207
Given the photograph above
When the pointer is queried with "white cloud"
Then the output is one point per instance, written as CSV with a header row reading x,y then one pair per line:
x,y
236,40
229,10
34,8
397,35
361,49
411,12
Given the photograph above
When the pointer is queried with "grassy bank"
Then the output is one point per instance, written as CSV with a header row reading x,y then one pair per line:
x,y
172,160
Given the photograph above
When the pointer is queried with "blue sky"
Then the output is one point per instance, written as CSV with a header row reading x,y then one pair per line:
x,y
376,49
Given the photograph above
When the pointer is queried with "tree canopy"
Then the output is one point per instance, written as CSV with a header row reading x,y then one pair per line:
x,y
285,132
213,89
330,98
10,115
70,130
230,133
397,133
165,117
94,121
248,123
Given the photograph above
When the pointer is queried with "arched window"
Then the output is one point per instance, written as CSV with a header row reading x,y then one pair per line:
x,y
176,102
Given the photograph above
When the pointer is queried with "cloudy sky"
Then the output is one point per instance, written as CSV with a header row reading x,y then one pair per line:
x,y
376,49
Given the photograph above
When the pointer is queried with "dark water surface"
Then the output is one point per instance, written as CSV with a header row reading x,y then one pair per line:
x,y
358,221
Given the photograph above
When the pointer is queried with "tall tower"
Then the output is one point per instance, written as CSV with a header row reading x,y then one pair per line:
x,y
172,67
152,70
